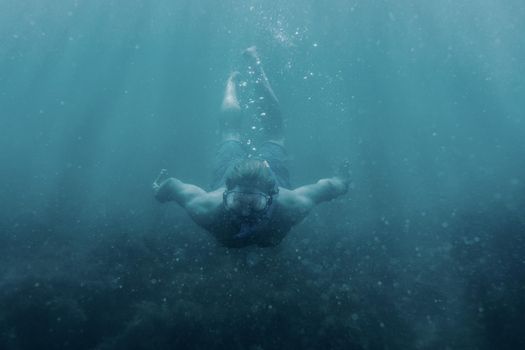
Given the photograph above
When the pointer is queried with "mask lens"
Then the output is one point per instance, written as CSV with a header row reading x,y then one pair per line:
x,y
258,202
232,202
239,200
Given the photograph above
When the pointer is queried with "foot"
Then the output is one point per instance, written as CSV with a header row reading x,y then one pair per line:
x,y
252,55
230,101
234,76
230,118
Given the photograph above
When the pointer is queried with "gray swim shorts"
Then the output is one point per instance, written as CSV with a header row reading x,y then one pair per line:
x,y
231,152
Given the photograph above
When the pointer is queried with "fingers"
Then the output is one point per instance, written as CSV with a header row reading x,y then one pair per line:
x,y
344,169
344,173
156,184
163,172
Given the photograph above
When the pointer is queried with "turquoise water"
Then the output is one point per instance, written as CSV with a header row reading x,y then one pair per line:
x,y
424,98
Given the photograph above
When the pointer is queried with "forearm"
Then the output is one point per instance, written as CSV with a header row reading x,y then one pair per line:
x,y
165,191
322,191
173,189
330,188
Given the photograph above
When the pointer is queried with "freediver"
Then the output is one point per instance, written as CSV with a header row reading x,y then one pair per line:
x,y
252,202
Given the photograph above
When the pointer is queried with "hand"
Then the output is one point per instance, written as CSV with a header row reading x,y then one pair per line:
x,y
156,184
344,174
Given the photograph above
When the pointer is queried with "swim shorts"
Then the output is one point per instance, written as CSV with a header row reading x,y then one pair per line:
x,y
231,152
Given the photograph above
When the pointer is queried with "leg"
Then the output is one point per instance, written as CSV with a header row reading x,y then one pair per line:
x,y
229,153
230,150
271,118
230,119
277,157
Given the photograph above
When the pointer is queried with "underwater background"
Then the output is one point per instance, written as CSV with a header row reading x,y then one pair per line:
x,y
425,98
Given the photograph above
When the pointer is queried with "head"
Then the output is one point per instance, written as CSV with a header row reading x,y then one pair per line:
x,y
254,174
250,186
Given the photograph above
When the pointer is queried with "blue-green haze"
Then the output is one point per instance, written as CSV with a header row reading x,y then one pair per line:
x,y
425,98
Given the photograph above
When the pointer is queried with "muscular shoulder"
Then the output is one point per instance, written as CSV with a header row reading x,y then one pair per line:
x,y
294,205
203,208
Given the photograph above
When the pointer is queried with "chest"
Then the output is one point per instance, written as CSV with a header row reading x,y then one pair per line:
x,y
231,231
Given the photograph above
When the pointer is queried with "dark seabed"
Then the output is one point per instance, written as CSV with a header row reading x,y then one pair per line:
x,y
425,98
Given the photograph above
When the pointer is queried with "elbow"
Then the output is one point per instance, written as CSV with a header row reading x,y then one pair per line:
x,y
334,187
160,198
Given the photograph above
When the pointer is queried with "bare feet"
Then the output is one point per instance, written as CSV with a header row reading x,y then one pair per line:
x,y
230,101
234,76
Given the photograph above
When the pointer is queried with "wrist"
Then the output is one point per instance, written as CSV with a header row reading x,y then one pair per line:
x,y
340,184
162,191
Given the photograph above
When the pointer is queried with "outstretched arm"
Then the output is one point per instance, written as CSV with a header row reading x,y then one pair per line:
x,y
172,189
327,189
322,191
300,201
270,111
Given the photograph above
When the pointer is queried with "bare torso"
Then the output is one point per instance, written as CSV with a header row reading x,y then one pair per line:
x,y
289,208
210,213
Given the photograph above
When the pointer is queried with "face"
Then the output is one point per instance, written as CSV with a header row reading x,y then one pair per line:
x,y
246,201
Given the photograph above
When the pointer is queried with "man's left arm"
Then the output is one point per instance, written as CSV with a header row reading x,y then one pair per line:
x,y
304,198
323,190
327,189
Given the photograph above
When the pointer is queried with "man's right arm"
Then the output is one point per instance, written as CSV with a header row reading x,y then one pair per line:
x,y
175,190
199,204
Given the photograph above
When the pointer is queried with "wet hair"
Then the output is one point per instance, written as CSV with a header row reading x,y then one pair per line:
x,y
252,173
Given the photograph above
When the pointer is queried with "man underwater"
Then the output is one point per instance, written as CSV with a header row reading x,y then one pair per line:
x,y
252,202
